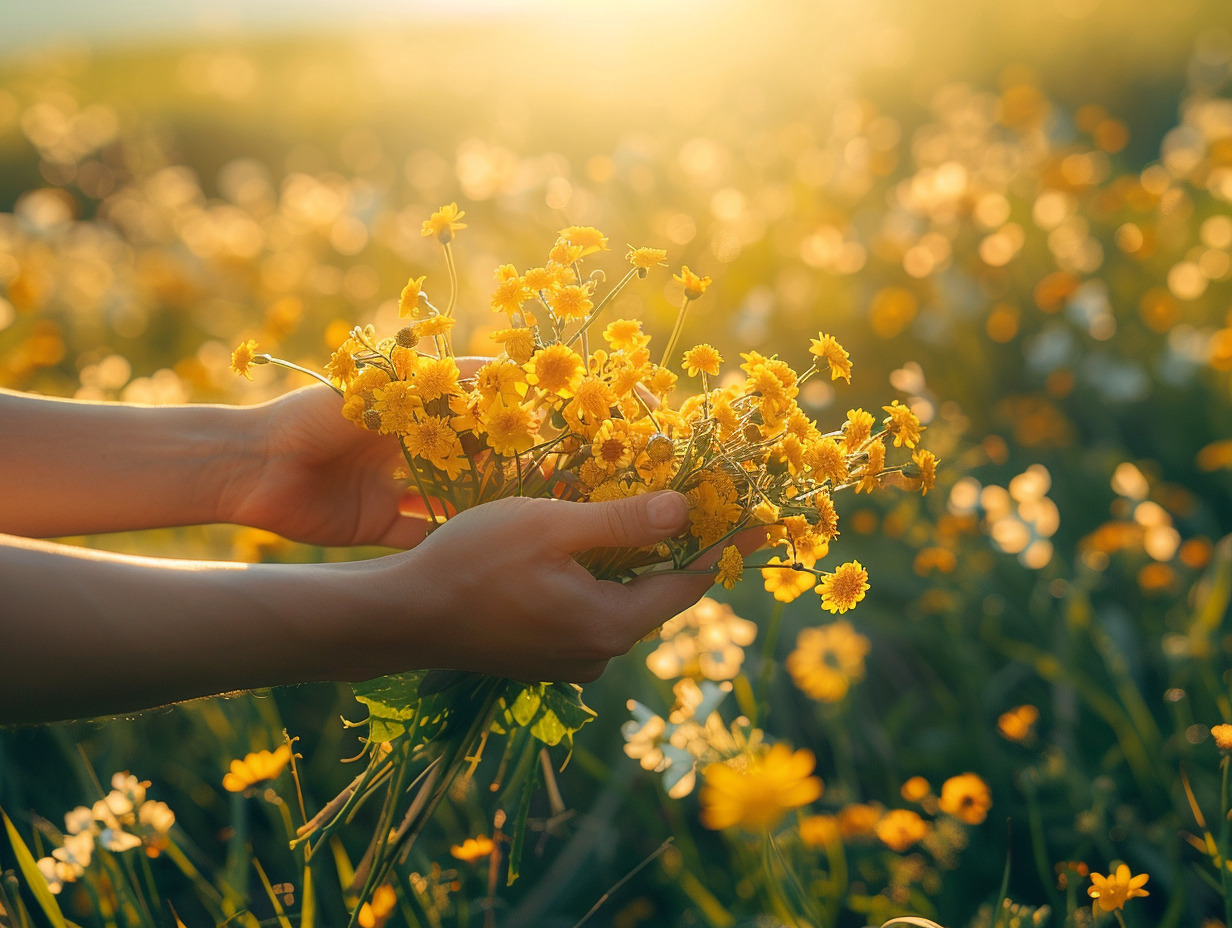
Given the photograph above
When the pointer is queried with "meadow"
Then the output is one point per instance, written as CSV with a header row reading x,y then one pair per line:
x,y
1020,228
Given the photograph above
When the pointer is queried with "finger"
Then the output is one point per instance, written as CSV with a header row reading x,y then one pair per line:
x,y
634,522
406,532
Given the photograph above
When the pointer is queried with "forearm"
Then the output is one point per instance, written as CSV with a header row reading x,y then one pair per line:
x,y
85,633
69,467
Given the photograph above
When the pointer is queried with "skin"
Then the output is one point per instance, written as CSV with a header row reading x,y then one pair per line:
x,y
495,589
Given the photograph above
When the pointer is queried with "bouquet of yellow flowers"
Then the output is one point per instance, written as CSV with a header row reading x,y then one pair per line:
x,y
577,408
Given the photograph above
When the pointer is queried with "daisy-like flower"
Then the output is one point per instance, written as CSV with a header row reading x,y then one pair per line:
x,y
785,584
442,224
825,456
841,590
256,768
901,828
519,343
966,797
436,377
409,301
435,325
827,660
243,357
565,253
511,428
1113,891
857,429
397,403
572,302
902,424
473,849
590,239
433,439
926,461
730,567
702,359
612,446
341,367
756,795
694,285
873,467
645,258
555,369
625,335
827,349
826,527
509,295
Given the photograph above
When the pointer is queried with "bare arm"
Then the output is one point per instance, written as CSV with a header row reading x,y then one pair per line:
x,y
496,590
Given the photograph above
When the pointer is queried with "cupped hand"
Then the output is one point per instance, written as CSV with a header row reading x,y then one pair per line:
x,y
321,479
496,589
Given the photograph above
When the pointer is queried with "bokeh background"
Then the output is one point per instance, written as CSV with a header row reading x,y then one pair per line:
x,y
1017,217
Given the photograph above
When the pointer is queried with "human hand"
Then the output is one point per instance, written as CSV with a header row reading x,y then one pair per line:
x,y
496,590
319,479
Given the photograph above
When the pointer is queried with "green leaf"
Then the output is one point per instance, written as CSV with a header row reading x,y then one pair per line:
x,y
391,703
35,880
526,706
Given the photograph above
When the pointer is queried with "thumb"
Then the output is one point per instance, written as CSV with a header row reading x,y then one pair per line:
x,y
619,523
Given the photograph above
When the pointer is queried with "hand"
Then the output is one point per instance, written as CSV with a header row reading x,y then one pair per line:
x,y
496,590
325,481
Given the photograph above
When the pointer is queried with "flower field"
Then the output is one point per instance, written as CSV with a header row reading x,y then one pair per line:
x,y
941,305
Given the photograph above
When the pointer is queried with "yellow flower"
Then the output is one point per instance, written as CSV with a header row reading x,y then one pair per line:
x,y
242,358
1016,724
902,424
915,789
625,335
510,293
341,366
592,403
433,439
901,828
555,369
694,286
1223,738
1113,891
926,461
703,359
255,768
511,428
858,819
710,513
819,830
539,279
473,849
612,446
645,258
857,430
519,343
444,223
436,377
844,588
397,403
564,253
730,567
827,660
825,456
785,584
435,325
965,797
757,795
588,238
827,349
501,381
826,527
376,912
408,302
572,302
873,467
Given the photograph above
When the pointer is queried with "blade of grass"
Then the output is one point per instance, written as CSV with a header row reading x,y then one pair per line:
x,y
35,880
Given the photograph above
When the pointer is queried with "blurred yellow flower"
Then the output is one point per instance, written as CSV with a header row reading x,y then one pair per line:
x,y
1113,891
256,767
702,359
901,828
756,795
731,567
827,660
841,590
375,913
819,830
473,849
242,358
1223,738
694,286
965,797
915,789
1017,724
444,223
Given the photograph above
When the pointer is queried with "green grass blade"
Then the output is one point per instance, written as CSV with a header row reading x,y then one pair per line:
x,y
34,876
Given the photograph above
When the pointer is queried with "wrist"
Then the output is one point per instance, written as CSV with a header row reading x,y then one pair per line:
x,y
240,435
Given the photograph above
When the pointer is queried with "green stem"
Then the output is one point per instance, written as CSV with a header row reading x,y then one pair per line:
x,y
675,336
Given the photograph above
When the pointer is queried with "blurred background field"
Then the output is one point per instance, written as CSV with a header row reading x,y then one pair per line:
x,y
1016,217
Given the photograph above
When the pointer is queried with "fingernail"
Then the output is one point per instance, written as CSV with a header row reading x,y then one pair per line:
x,y
667,511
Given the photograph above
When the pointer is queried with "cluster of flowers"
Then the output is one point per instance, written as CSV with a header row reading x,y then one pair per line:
x,y
123,820
554,415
